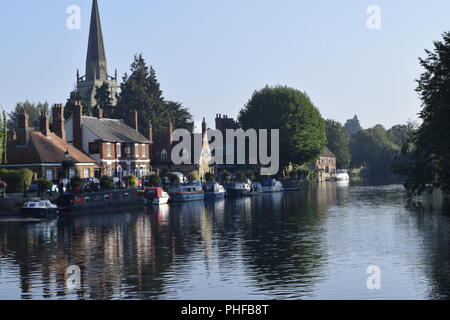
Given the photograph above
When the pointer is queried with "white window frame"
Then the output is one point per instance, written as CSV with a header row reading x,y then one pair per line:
x,y
72,173
86,170
108,149
119,150
144,153
49,174
136,150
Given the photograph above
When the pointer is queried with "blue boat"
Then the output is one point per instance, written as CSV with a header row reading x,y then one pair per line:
x,y
214,191
186,192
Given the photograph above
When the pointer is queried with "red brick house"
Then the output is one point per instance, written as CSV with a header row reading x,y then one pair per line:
x,y
325,166
116,145
43,151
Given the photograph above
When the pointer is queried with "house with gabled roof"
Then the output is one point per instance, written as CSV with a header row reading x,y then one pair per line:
x,y
116,145
43,151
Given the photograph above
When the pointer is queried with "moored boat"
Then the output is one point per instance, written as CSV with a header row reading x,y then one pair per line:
x,y
39,208
237,188
271,185
341,175
186,192
155,196
214,190
256,190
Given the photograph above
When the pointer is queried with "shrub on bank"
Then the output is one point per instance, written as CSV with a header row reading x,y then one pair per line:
x,y
106,183
16,180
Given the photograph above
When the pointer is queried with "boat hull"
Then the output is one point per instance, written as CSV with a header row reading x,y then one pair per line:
x,y
186,197
214,195
39,212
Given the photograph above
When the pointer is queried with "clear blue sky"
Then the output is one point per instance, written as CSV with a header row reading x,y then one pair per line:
x,y
211,55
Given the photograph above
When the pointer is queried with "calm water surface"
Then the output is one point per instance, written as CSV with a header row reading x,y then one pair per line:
x,y
313,244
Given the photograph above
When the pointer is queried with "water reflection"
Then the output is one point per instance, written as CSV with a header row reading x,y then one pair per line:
x,y
315,243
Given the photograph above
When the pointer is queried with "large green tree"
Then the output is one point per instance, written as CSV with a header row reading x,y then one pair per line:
x,y
352,125
302,128
33,109
338,142
140,91
432,140
103,99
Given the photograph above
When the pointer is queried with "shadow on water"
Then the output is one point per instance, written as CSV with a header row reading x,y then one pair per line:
x,y
284,245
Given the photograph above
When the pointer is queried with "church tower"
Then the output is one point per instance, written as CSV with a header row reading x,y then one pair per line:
x,y
96,66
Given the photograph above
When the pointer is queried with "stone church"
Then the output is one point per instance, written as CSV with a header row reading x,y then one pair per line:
x,y
96,67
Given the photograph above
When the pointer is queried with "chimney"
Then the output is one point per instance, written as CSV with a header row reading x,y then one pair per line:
x,y
150,132
77,122
169,132
133,120
58,121
44,126
98,112
22,129
204,127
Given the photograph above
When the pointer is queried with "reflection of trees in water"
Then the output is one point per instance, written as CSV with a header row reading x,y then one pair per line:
x,y
283,246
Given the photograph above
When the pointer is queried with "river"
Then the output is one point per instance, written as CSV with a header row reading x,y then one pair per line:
x,y
314,244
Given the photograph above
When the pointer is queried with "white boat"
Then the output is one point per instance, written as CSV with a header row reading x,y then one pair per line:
x,y
341,175
237,188
271,185
39,208
256,190
156,196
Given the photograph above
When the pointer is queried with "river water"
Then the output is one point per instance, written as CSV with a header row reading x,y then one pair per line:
x,y
314,244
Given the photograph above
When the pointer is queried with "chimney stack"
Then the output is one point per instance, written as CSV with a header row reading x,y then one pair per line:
x,y
170,131
133,120
150,132
58,121
77,122
44,126
22,129
204,127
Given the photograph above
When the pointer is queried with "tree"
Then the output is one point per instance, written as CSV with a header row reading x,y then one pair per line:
x,y
154,180
352,125
302,129
107,183
372,148
3,137
240,176
338,142
433,137
225,176
141,91
34,111
103,99
209,177
192,177
401,133
174,179
74,97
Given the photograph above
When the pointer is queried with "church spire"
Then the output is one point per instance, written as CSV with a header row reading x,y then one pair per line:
x,y
96,67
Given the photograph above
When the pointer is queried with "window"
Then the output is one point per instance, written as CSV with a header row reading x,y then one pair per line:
x,y
49,174
72,173
119,150
163,155
136,150
143,150
108,149
86,173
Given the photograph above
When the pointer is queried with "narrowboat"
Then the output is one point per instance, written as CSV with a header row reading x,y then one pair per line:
x,y
214,191
271,185
39,209
155,196
237,188
256,190
186,192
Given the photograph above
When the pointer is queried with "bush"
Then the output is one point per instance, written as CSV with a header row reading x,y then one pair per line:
x,y
192,177
240,176
44,184
106,183
76,182
250,175
226,176
154,180
174,179
16,179
132,181
209,177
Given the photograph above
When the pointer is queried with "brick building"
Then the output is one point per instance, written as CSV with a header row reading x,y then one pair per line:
x,y
116,145
325,166
43,151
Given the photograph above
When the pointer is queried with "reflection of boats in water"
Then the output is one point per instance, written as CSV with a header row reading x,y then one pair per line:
x,y
214,191
271,185
341,175
186,192
39,209
155,196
